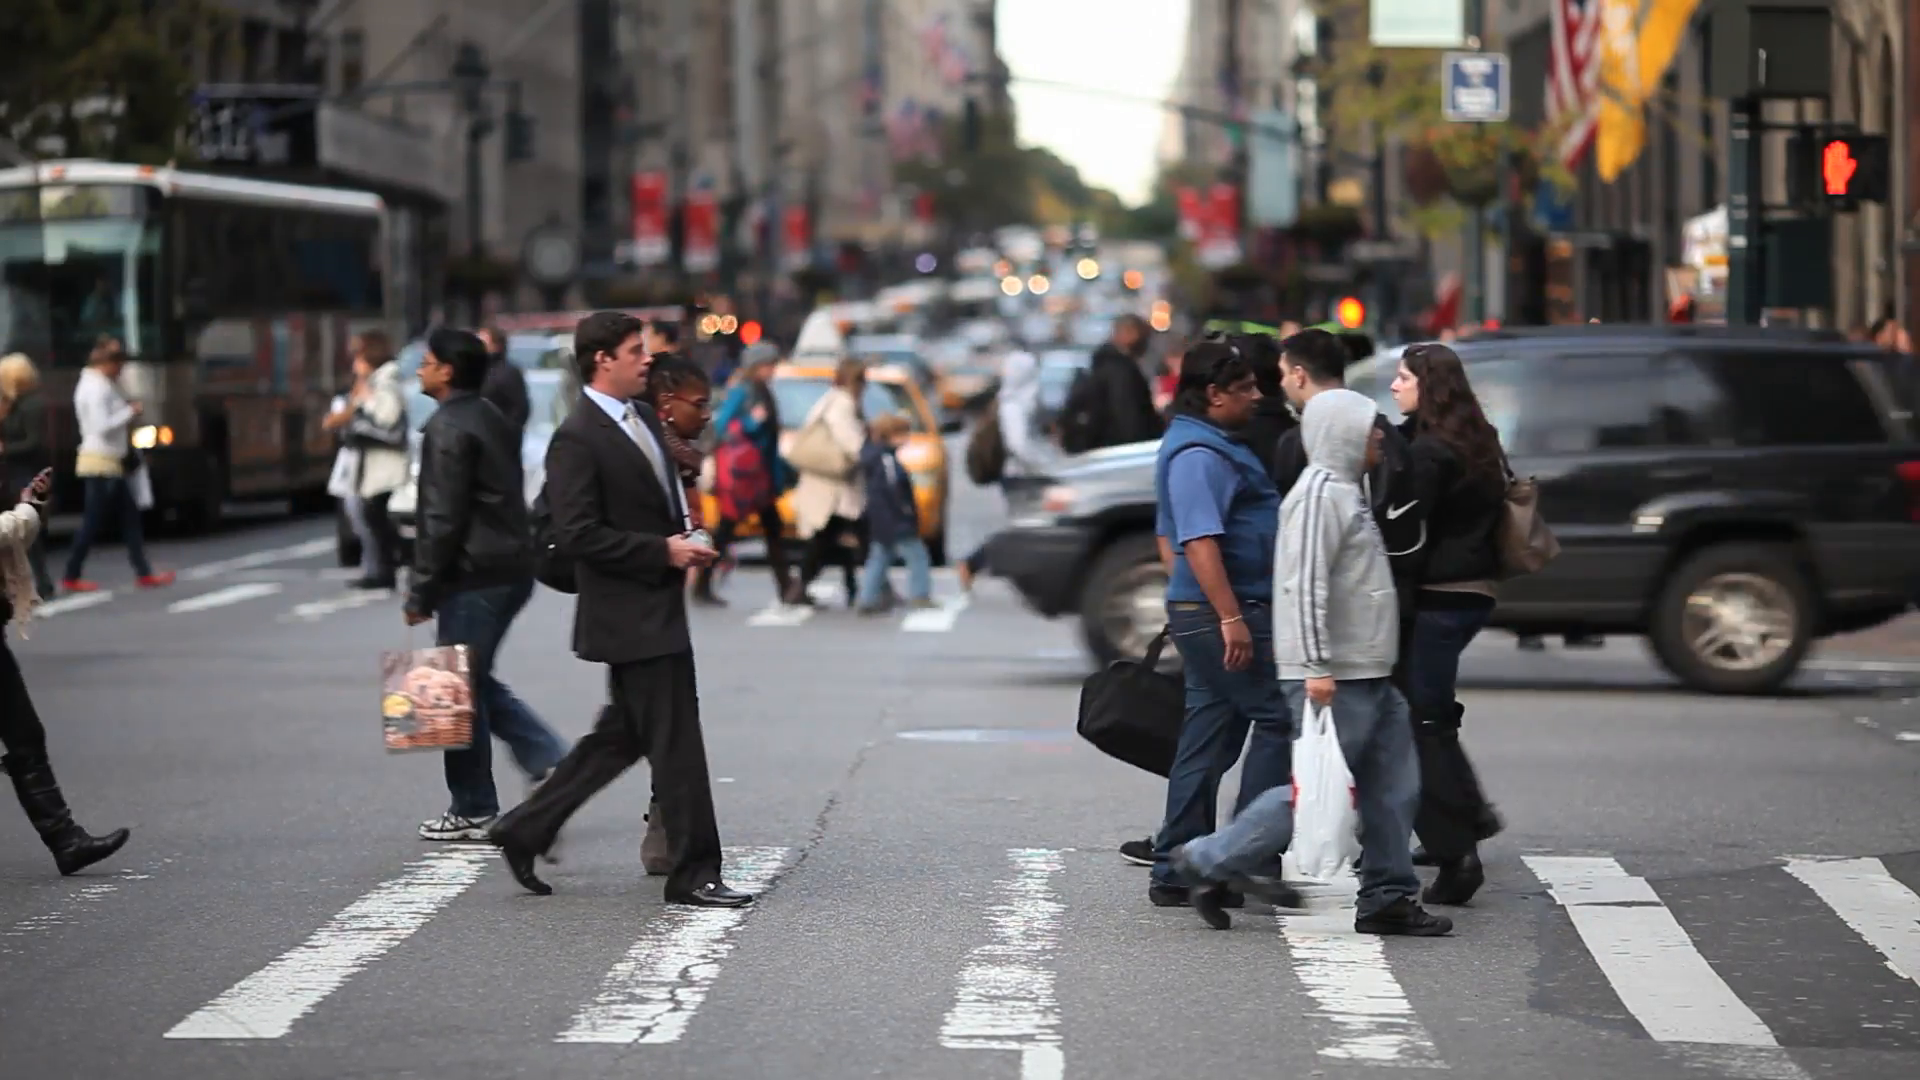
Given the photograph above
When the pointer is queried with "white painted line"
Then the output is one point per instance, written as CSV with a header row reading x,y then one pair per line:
x,y
1649,960
74,602
1348,976
653,992
315,610
1879,908
86,896
219,598
267,1003
823,591
1004,998
1906,736
935,620
781,615
268,557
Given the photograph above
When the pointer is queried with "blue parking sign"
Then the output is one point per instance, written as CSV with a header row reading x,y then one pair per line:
x,y
1476,87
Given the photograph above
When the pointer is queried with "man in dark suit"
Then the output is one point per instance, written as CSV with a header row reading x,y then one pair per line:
x,y
619,514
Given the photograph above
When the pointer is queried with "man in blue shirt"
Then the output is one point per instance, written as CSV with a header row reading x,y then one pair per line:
x,y
1217,511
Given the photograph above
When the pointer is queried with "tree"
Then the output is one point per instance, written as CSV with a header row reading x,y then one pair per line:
x,y
998,182
99,78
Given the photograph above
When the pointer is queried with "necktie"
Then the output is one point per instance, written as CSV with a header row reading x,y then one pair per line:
x,y
655,456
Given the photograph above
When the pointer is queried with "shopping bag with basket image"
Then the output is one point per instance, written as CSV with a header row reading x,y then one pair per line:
x,y
426,699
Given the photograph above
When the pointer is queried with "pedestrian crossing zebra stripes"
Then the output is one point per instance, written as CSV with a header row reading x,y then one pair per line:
x,y
1017,992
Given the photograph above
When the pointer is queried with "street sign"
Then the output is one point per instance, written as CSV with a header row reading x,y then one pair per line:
x,y
1476,87
1417,24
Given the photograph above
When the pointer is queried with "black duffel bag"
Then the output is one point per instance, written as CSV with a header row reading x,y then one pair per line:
x,y
1132,711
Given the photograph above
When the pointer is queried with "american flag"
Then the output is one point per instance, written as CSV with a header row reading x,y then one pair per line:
x,y
1573,76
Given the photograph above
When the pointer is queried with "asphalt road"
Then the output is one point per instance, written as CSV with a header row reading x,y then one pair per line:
x,y
945,898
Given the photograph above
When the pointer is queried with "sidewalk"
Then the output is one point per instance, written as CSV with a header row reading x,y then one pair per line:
x,y
1898,640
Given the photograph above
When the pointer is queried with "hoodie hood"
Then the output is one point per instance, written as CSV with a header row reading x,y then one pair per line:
x,y
1334,429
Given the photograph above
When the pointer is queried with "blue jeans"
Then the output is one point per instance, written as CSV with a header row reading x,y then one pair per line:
x,y
1376,738
880,555
1454,814
478,619
1222,706
108,498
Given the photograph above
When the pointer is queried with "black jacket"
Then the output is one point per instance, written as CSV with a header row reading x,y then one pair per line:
x,y
1464,522
24,435
1398,489
471,523
506,387
892,515
612,518
1110,404
1271,421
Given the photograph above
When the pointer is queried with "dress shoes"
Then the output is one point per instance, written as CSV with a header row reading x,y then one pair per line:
x,y
713,895
520,864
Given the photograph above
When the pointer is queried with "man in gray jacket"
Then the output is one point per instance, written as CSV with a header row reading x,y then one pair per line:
x,y
1335,638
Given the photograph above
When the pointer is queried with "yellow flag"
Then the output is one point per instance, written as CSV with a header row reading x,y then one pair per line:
x,y
1638,42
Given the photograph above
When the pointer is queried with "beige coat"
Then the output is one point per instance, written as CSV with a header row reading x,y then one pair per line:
x,y
817,498
18,527
383,469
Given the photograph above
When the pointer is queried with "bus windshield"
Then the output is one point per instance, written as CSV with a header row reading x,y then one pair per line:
x,y
64,283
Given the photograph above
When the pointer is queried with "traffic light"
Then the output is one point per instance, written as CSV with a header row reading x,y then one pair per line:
x,y
1839,168
1350,312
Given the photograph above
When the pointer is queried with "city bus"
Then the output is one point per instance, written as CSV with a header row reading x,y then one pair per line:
x,y
235,299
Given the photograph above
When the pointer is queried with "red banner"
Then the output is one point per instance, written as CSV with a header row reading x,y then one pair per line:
x,y
796,241
703,233
923,207
650,244
1188,201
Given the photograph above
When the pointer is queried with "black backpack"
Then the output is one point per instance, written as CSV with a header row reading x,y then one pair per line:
x,y
987,450
550,567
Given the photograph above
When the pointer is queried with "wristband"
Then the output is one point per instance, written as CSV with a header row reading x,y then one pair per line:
x,y
1235,619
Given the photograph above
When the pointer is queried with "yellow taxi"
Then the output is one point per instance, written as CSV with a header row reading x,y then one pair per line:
x,y
797,387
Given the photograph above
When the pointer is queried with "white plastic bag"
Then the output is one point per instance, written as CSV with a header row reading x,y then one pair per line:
x,y
346,474
1326,821
140,486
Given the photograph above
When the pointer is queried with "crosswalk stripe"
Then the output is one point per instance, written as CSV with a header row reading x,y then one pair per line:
x,y
1650,961
73,602
1004,999
935,620
306,549
653,992
86,896
267,1003
781,615
1871,901
1348,977
232,594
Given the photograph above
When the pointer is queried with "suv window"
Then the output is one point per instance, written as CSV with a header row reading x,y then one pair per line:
x,y
1789,399
1584,403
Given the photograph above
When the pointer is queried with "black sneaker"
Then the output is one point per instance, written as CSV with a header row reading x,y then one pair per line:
x,y
1138,852
1178,896
1456,883
1404,918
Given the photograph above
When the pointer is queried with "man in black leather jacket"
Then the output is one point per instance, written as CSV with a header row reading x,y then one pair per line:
x,y
473,571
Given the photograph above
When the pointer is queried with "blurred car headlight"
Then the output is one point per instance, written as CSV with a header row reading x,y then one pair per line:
x,y
148,436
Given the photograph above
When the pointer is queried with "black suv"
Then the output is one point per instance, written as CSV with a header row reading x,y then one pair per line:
x,y
1732,495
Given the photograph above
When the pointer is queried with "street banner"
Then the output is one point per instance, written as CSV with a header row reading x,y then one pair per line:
x,y
797,240
1188,200
650,244
703,233
1220,227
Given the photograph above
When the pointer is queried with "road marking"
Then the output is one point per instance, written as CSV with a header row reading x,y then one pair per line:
x,y
1879,908
319,609
781,615
1004,998
268,557
823,591
1894,667
219,598
267,1003
86,896
1906,736
1649,960
653,992
74,602
1348,976
935,620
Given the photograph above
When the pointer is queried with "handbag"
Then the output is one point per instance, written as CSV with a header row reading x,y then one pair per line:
x,y
1525,543
816,451
426,699
1133,711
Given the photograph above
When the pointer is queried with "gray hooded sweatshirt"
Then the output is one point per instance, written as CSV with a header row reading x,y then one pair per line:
x,y
1334,609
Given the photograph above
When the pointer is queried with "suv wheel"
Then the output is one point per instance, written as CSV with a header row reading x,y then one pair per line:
x,y
1123,605
1734,619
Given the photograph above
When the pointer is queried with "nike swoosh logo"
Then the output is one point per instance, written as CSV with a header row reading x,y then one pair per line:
x,y
1394,512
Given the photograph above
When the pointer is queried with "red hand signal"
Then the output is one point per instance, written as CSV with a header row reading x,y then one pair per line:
x,y
1837,166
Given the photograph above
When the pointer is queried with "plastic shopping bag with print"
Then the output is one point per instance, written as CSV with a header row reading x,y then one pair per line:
x,y
1326,820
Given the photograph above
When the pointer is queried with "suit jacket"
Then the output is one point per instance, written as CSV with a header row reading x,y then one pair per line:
x,y
612,517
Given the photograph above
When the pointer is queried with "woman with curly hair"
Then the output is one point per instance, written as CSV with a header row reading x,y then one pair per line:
x,y
1457,452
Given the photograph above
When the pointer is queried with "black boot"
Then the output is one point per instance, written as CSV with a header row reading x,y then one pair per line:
x,y
74,849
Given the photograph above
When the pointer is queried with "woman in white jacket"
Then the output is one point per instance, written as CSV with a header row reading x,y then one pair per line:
x,y
377,429
105,416
21,735
827,508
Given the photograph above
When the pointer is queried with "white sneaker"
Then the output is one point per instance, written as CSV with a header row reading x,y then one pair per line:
x,y
452,828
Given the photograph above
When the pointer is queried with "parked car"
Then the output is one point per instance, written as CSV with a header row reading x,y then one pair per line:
x,y
1732,496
